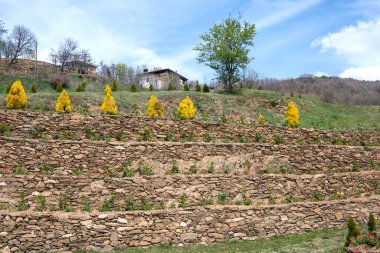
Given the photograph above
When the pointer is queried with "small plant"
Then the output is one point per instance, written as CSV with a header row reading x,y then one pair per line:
x,y
261,120
36,131
259,137
120,136
110,171
243,139
353,231
45,169
41,203
169,136
59,87
34,88
226,139
186,109
151,87
3,207
109,205
247,202
300,142
64,203
114,86
172,205
211,169
371,223
278,139
291,199
144,169
292,118
146,135
92,135
133,88
5,130
130,204
86,203
205,202
198,88
193,169
318,196
205,88
175,168
19,170
78,171
144,204
16,98
22,203
222,198
186,87
207,137
127,172
223,119
182,202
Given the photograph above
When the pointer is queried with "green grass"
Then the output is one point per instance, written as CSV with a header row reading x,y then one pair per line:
x,y
330,240
211,107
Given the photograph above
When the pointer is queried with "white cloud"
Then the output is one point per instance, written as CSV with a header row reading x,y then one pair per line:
x,y
358,45
364,73
283,10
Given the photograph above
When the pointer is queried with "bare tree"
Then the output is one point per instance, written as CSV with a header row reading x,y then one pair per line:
x,y
21,42
67,51
2,42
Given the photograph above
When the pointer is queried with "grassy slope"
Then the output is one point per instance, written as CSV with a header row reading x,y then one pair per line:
x,y
330,240
244,106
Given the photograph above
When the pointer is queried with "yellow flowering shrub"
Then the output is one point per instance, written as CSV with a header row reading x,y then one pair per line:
x,y
63,103
108,104
262,120
16,98
155,107
186,109
292,117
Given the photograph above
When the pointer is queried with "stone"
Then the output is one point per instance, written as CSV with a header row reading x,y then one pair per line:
x,y
188,237
122,220
183,224
103,216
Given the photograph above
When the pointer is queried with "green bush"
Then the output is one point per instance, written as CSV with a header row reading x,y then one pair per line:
x,y
175,167
198,87
151,87
59,87
170,87
34,88
133,88
353,231
371,223
22,203
186,87
114,86
205,88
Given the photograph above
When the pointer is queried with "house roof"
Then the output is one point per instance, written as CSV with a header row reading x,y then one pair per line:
x,y
160,71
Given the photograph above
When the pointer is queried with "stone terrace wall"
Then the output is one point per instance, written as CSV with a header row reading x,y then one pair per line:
x,y
194,187
108,126
36,232
65,155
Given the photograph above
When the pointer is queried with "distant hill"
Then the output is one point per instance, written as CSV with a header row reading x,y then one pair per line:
x,y
328,89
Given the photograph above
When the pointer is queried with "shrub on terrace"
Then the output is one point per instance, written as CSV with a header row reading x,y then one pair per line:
x,y
186,109
108,104
155,107
63,103
16,98
292,118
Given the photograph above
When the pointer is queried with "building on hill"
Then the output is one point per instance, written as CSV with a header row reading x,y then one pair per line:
x,y
80,67
161,78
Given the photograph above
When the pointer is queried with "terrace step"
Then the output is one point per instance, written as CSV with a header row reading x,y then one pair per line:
x,y
47,231
75,126
190,190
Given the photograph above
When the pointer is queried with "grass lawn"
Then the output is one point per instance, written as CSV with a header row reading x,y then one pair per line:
x,y
330,240
240,108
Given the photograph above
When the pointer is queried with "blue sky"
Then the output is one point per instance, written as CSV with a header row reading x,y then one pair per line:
x,y
294,37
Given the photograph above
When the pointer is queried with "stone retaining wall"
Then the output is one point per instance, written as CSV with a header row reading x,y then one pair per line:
x,y
52,124
65,155
196,188
36,232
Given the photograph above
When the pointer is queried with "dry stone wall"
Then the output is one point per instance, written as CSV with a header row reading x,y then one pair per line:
x,y
63,156
196,188
52,125
36,232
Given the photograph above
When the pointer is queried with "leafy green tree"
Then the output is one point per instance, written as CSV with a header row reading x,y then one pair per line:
x,y
225,49
121,72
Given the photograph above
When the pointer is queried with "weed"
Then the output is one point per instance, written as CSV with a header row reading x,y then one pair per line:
x,y
120,136
64,203
5,130
110,171
78,171
207,137
36,132
45,169
91,135
127,172
144,169
41,200
175,168
222,198
109,205
146,135
19,170
182,202
211,169
22,203
130,204
259,137
317,196
226,139
64,135
243,139
144,204
169,136
278,139
223,119
87,205
193,169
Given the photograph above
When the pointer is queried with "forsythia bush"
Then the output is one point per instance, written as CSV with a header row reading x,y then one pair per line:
x,y
292,117
186,109
155,107
16,98
63,103
262,120
108,104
